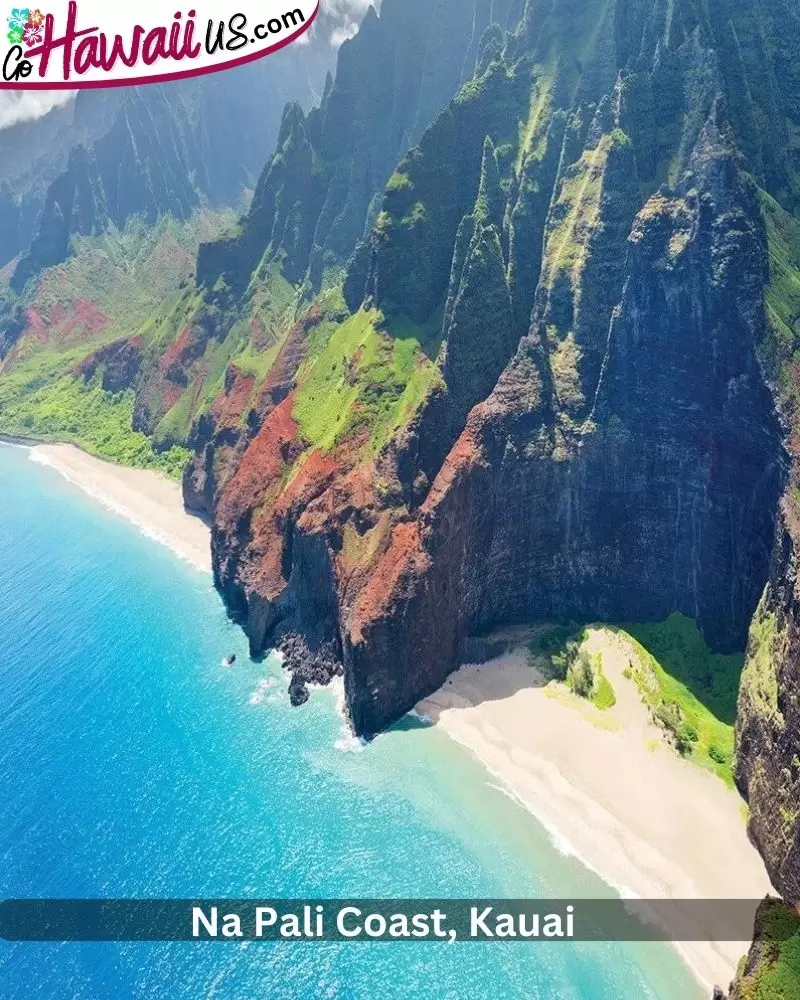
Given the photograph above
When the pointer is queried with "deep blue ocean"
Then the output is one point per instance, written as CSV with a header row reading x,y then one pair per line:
x,y
133,765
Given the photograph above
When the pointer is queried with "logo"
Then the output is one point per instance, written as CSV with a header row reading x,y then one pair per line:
x,y
26,26
97,44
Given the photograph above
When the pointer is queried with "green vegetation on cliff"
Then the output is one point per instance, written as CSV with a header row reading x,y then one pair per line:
x,y
575,210
690,691
249,340
759,680
781,349
113,286
37,401
772,970
367,381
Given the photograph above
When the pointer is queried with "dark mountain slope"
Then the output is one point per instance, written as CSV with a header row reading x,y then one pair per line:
x,y
168,148
35,153
317,194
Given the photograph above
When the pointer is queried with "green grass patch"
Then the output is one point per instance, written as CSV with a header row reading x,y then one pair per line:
x,y
572,664
36,402
170,317
603,696
365,381
711,678
691,691
176,423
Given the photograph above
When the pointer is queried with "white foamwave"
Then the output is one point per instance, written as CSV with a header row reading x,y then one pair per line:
x,y
420,716
115,507
347,742
266,686
336,687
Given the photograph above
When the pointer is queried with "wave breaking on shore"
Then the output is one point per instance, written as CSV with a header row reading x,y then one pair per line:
x,y
146,499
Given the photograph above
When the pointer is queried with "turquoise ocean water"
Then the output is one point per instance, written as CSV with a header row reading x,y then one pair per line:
x,y
131,764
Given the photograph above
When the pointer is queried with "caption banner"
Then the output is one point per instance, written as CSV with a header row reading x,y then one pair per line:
x,y
376,920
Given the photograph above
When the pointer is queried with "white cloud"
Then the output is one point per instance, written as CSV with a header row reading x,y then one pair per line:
x,y
344,16
25,105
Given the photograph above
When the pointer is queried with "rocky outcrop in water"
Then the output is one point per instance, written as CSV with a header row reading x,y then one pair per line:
x,y
308,667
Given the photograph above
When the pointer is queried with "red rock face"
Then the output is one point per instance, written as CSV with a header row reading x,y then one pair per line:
x,y
403,562
119,361
279,488
263,464
75,322
169,381
222,437
231,406
248,510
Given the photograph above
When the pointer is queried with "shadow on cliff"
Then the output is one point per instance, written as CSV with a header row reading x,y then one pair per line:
x,y
676,646
679,649
504,686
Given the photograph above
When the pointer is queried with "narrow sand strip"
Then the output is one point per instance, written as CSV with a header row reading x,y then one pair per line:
x,y
607,787
147,499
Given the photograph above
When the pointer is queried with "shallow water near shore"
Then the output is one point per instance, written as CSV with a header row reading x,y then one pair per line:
x,y
134,765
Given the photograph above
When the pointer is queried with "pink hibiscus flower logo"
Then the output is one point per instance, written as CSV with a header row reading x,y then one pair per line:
x,y
33,34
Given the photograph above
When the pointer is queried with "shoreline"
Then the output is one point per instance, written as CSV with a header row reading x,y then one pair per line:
x,y
143,497
607,789
529,737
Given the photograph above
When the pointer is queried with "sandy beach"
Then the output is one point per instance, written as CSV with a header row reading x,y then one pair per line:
x,y
148,499
607,787
605,784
